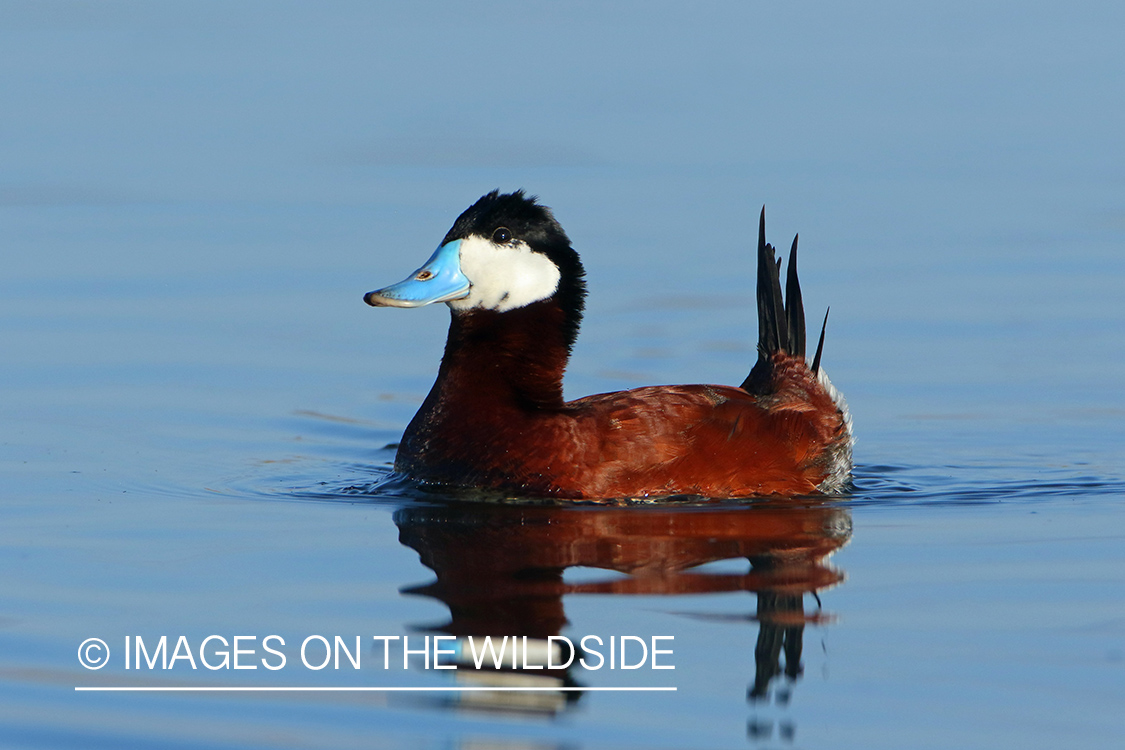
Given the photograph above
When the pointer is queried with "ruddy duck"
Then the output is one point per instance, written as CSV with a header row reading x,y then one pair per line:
x,y
496,419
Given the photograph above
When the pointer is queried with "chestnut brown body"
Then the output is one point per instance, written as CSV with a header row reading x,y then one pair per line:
x,y
496,419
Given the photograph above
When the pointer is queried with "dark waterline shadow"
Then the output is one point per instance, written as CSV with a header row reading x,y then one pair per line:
x,y
874,486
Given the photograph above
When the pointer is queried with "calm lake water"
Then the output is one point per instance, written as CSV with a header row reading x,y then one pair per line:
x,y
196,403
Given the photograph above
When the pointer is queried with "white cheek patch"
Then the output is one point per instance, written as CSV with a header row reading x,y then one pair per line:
x,y
504,277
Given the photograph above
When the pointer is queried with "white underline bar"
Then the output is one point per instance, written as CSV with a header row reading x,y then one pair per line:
x,y
506,689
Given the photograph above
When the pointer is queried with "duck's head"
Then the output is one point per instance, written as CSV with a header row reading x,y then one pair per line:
x,y
505,252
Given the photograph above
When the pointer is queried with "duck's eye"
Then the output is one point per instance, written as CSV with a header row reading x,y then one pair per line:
x,y
502,236
424,275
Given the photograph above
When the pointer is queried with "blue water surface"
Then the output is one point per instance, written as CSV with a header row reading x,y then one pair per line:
x,y
197,406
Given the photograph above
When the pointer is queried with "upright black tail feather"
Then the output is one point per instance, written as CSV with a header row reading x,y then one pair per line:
x,y
781,319
820,344
773,331
794,307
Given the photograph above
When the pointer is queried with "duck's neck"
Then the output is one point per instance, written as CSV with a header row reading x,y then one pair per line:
x,y
501,361
501,375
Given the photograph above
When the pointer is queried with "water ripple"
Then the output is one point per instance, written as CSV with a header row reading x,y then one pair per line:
x,y
974,485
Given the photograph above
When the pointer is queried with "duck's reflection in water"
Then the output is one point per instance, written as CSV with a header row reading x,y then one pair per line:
x,y
500,572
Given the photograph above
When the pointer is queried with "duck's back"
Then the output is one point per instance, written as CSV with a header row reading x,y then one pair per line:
x,y
712,440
